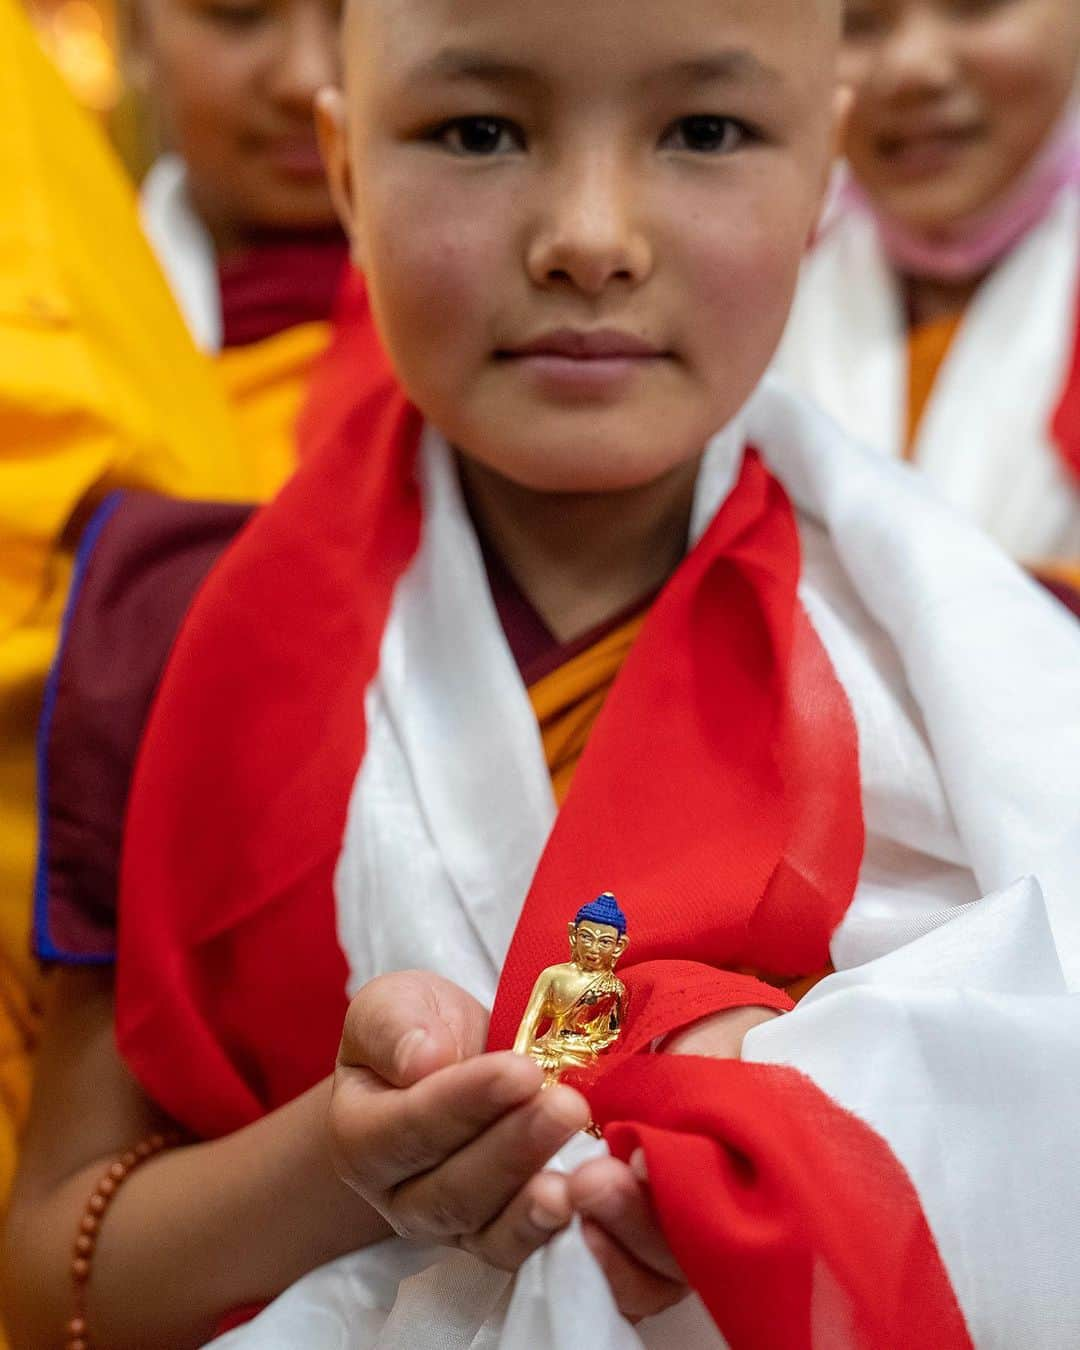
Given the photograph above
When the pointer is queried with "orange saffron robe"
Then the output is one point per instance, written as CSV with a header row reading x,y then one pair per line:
x,y
928,346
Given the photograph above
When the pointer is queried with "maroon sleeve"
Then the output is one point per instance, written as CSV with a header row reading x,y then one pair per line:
x,y
140,562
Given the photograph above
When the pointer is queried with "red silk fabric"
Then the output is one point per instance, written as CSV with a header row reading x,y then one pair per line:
x,y
230,980
1066,424
791,1219
732,829
719,796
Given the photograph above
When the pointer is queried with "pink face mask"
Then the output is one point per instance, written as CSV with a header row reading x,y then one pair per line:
x,y
987,238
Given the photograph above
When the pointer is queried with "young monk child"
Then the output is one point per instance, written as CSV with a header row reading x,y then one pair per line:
x,y
560,605
241,218
100,385
238,210
938,316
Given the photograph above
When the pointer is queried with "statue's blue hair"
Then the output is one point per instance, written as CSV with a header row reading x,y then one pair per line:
x,y
604,909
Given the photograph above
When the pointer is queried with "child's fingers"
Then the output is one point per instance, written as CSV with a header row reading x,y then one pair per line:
x,y
382,1135
607,1192
409,1024
638,1291
540,1209
478,1181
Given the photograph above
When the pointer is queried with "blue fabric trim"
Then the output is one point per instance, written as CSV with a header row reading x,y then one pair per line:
x,y
44,946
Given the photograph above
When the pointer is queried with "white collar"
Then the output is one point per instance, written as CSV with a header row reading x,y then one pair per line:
x,y
184,248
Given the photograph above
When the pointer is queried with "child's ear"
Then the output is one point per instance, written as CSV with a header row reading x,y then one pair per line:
x,y
843,98
333,144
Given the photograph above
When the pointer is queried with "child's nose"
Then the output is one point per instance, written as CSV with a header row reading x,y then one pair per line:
x,y
588,236
919,55
307,57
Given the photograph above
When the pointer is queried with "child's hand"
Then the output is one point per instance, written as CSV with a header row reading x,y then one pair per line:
x,y
612,1198
622,1232
447,1142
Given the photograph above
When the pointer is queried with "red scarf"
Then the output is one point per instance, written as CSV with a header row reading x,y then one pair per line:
x,y
718,796
1065,428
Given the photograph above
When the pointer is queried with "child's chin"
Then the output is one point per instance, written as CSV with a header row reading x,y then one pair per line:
x,y
585,472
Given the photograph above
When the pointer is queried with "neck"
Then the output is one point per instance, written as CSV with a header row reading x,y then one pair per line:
x,y
929,299
582,557
225,234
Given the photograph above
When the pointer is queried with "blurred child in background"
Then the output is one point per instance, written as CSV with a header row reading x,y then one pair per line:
x,y
238,210
101,386
937,314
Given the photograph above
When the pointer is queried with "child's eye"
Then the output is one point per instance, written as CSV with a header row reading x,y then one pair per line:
x,y
974,9
235,16
706,134
482,136
862,21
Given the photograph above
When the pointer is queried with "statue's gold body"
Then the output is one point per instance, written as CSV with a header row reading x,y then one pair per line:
x,y
576,1009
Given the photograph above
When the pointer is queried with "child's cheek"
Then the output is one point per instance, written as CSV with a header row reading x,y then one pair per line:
x,y
1022,86
744,279
434,276
206,89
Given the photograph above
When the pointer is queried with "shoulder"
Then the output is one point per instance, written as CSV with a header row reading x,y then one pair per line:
x,y
140,561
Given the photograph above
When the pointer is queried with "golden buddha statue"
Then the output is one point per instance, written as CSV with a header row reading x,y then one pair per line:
x,y
575,1010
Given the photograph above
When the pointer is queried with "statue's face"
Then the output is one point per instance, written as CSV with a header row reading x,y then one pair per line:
x,y
596,946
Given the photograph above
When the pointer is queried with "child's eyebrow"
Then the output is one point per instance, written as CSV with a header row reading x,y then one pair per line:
x,y
734,66
461,63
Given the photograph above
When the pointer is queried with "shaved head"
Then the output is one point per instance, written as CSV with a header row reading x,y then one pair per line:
x,y
507,170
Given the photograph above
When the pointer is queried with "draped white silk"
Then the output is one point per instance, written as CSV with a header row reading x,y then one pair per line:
x,y
953,1023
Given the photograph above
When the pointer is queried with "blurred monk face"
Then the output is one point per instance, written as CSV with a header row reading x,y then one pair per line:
x,y
581,220
953,99
235,81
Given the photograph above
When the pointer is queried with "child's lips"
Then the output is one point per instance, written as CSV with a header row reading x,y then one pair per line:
x,y
928,149
586,344
296,157
583,363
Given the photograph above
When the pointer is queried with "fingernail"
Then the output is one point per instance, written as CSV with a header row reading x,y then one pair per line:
x,y
406,1050
563,1112
637,1164
545,1219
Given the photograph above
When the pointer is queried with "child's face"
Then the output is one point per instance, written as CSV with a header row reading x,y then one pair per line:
x,y
953,98
236,81
581,220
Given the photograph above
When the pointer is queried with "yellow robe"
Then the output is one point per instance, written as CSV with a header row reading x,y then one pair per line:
x,y
100,387
266,383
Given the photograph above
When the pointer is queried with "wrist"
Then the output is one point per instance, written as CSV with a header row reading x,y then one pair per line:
x,y
720,1035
